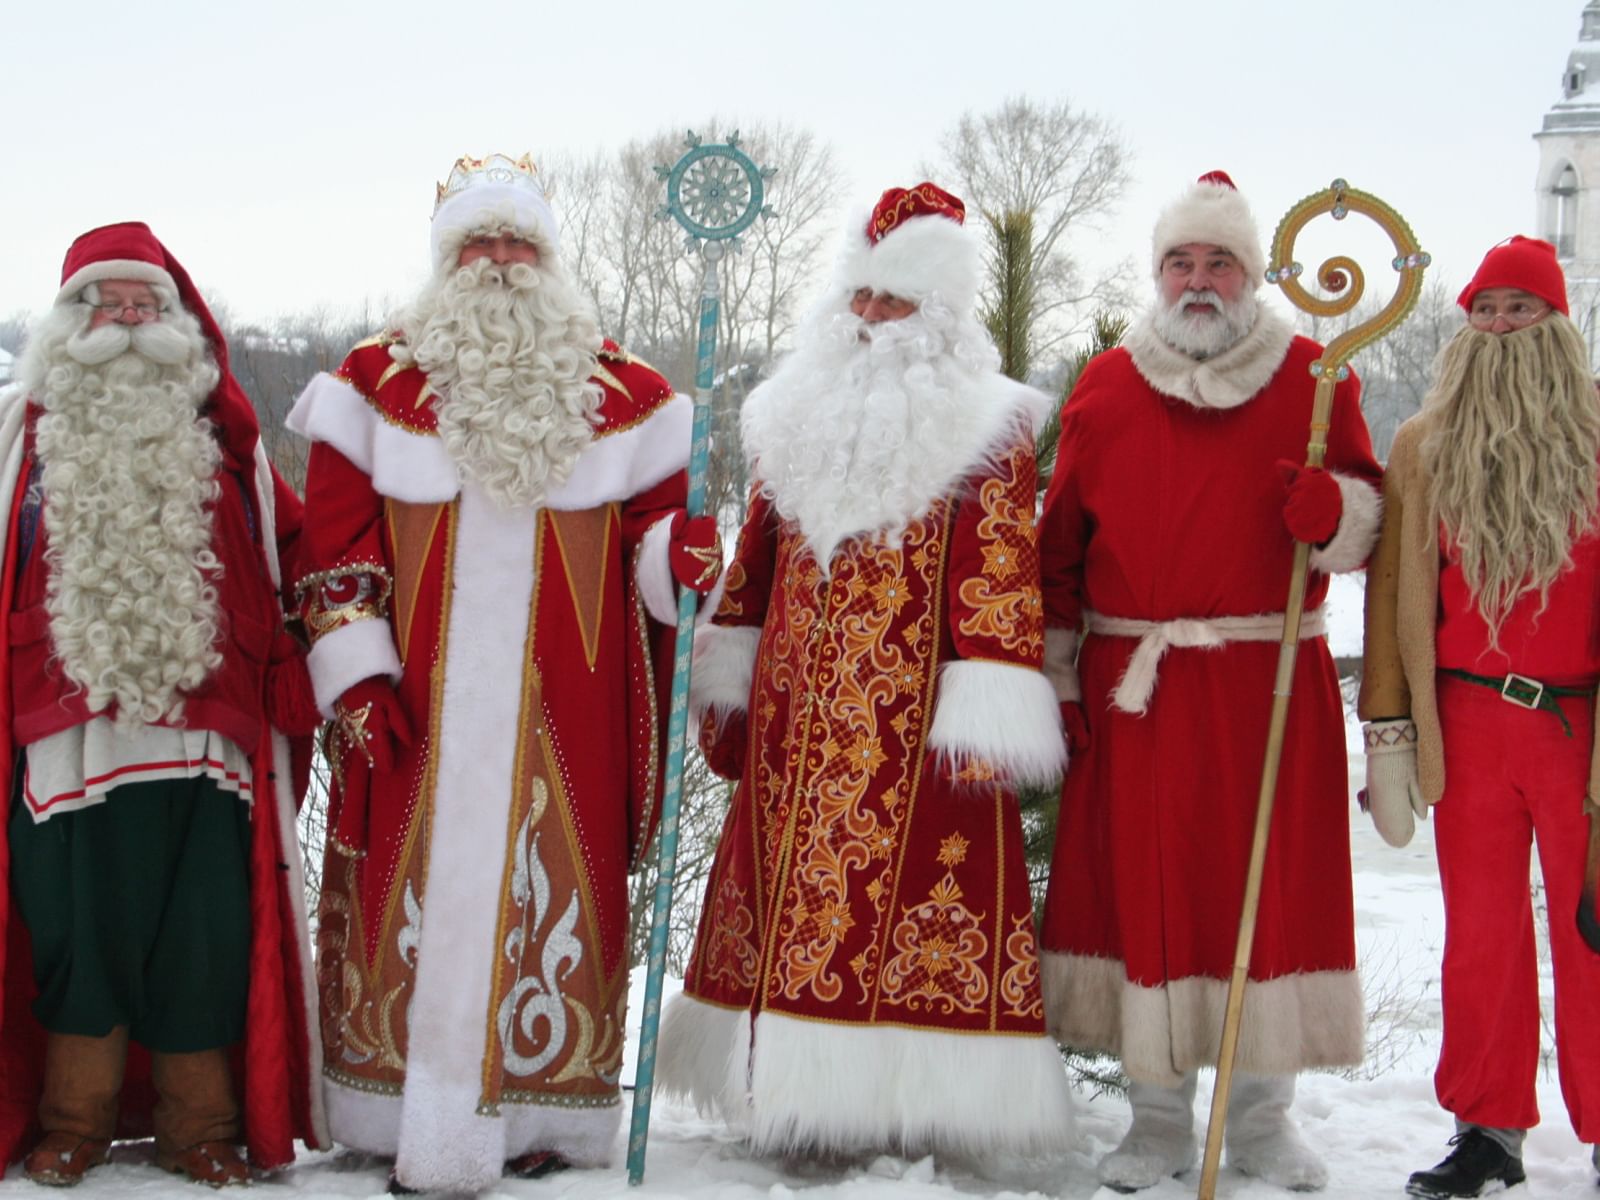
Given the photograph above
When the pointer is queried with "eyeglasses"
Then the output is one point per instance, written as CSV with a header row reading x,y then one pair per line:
x,y
115,308
1517,313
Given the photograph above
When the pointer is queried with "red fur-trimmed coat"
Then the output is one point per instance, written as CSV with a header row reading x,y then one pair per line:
x,y
473,957
277,1065
868,912
1166,505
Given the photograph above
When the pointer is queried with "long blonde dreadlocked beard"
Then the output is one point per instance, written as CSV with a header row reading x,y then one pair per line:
x,y
1511,452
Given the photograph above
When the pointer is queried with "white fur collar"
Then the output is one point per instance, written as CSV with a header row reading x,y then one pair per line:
x,y
1227,380
1000,409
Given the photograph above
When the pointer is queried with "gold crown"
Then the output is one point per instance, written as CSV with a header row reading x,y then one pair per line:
x,y
471,172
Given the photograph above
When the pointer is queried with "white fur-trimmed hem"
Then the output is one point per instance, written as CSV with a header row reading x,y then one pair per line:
x,y
1004,714
1357,534
654,573
1061,663
348,655
701,1055
833,1087
724,666
370,1122
1291,1023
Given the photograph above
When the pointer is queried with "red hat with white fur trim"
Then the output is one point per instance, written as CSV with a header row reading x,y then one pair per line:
x,y
1211,213
482,195
914,245
125,251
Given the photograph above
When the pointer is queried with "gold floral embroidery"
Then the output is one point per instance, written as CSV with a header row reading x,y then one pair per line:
x,y
1008,614
940,950
1019,986
953,850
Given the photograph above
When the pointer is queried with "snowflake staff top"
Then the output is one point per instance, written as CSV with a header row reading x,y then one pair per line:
x,y
715,191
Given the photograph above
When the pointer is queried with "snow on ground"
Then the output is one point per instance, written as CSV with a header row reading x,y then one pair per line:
x,y
1374,1128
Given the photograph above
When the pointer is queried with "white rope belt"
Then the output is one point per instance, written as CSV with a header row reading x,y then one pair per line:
x,y
1138,681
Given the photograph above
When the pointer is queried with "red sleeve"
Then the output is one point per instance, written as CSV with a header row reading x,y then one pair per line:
x,y
342,563
747,583
1064,526
993,584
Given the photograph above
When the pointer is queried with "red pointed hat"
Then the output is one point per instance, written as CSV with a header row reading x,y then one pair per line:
x,y
914,244
1212,213
129,250
1525,263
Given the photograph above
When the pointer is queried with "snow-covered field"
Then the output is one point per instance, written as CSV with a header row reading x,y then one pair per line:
x,y
1374,1129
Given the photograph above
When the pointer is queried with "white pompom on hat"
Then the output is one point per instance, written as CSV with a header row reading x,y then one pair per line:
x,y
484,194
1211,213
914,244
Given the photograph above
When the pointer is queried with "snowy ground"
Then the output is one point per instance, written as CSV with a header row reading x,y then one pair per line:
x,y
1374,1129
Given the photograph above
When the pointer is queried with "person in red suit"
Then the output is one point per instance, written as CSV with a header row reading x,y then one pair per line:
x,y
153,946
865,975
1169,530
494,530
1482,654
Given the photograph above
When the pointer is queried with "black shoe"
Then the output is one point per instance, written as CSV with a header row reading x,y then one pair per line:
x,y
536,1164
1476,1161
396,1188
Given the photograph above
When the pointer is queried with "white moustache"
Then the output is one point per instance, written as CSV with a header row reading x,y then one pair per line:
x,y
156,341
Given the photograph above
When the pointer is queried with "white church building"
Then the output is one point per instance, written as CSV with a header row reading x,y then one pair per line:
x,y
1567,199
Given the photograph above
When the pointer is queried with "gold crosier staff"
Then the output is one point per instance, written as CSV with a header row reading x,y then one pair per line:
x,y
1339,274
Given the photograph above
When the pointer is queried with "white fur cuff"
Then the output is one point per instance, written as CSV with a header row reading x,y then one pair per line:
x,y
1357,534
348,655
654,573
406,466
724,665
1003,714
1061,663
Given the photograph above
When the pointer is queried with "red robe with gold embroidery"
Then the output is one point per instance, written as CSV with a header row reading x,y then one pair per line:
x,y
866,973
473,956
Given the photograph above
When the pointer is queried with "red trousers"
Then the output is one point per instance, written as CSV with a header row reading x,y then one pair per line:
x,y
1512,777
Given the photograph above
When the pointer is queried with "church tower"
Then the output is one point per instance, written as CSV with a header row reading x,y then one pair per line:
x,y
1568,184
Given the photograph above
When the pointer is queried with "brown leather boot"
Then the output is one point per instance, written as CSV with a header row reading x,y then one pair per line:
x,y
78,1110
197,1117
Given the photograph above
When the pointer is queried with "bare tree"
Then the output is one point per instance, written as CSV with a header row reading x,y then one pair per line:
x,y
1062,169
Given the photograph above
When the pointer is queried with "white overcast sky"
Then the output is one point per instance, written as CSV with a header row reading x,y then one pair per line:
x,y
287,152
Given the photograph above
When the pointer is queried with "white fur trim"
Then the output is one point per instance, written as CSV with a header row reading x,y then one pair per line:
x,y
724,666
823,1086
701,1055
1227,380
1357,534
1003,714
113,268
348,655
1291,1023
657,587
1061,663
485,206
416,467
405,466
1212,215
924,256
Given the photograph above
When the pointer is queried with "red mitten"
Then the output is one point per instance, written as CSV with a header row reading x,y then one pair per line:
x,y
372,720
724,743
694,549
1312,502
1076,727
291,703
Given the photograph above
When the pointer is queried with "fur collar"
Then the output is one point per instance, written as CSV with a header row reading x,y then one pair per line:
x,y
1227,380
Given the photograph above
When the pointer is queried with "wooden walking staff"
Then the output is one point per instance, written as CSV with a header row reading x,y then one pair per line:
x,y
1340,275
715,192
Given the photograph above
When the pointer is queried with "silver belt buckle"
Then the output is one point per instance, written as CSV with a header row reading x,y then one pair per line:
x,y
1534,684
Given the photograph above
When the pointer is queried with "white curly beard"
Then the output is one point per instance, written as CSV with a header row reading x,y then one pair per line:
x,y
511,352
128,470
1205,334
862,427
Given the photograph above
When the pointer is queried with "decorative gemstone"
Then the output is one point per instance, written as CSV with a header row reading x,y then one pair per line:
x,y
1339,185
1316,369
1340,212
1342,374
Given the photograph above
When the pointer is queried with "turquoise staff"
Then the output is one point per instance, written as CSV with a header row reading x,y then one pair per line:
x,y
715,192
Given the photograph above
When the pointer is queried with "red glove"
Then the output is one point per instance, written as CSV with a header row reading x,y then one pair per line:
x,y
1076,727
725,744
291,703
371,718
694,549
1312,502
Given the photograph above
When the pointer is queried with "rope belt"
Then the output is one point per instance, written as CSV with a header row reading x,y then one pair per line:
x,y
1525,692
1138,682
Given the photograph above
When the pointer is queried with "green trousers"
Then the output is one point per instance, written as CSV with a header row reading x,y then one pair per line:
x,y
139,913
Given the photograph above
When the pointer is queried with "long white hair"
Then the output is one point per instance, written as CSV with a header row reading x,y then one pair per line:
x,y
1511,452
510,350
128,470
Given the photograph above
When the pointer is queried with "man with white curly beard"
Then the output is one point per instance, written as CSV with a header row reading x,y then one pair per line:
x,y
865,975
149,683
495,528
1167,539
